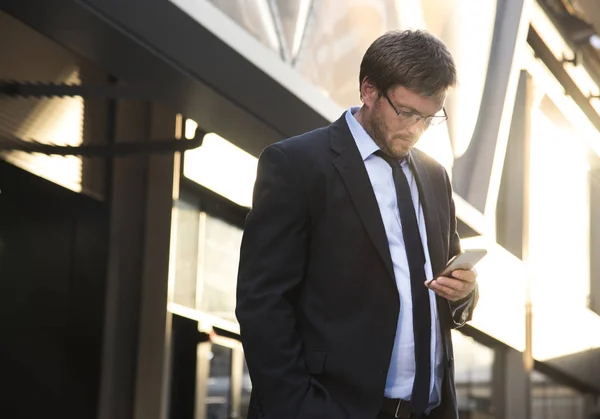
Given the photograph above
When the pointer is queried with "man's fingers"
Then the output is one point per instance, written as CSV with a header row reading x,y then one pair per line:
x,y
452,284
450,288
443,290
465,275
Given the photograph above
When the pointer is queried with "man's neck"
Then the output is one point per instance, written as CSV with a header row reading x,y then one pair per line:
x,y
359,116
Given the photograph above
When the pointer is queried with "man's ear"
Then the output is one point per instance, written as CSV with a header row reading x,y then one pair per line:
x,y
368,92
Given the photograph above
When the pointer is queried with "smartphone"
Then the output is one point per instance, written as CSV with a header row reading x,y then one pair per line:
x,y
467,259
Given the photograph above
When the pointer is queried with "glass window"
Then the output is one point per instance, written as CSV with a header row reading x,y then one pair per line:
x,y
291,16
559,209
218,398
336,37
217,278
206,258
246,390
56,120
559,215
187,221
324,40
222,167
550,400
254,16
473,377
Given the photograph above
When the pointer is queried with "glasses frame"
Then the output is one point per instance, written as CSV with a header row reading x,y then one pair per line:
x,y
427,120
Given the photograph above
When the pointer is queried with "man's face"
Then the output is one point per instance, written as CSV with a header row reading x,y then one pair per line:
x,y
395,134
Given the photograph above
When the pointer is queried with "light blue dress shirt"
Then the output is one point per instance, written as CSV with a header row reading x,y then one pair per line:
x,y
401,372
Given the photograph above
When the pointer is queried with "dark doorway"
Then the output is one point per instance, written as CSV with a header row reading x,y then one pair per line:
x,y
53,251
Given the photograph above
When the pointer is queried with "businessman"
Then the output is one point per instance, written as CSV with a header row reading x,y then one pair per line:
x,y
348,223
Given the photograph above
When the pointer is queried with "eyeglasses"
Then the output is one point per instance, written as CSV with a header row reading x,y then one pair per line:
x,y
411,118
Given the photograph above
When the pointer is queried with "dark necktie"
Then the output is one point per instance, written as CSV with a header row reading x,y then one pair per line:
x,y
420,293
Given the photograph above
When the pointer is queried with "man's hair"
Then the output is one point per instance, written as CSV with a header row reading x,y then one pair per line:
x,y
414,59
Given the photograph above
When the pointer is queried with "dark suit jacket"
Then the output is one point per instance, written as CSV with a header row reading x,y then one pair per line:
x,y
317,301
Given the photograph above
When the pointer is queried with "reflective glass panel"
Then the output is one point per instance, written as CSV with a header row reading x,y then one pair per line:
x,y
218,397
291,16
217,280
222,167
559,219
256,16
336,37
246,390
187,220
551,400
28,56
473,377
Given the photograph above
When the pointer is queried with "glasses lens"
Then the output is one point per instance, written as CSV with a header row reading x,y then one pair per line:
x,y
435,120
409,118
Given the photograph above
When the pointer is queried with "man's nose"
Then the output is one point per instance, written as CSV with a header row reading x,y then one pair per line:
x,y
418,128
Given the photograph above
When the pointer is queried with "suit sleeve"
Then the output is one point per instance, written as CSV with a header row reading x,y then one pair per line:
x,y
462,310
272,265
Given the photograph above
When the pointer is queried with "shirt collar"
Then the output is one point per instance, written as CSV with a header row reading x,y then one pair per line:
x,y
366,145
364,142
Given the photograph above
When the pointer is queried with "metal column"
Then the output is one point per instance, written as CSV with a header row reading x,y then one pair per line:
x,y
511,389
594,182
140,197
485,155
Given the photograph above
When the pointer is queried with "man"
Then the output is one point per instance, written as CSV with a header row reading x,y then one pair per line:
x,y
348,223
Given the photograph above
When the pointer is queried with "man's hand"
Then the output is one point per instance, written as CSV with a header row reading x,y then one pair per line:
x,y
456,288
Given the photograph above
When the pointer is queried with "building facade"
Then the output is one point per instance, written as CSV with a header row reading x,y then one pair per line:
x,y
120,236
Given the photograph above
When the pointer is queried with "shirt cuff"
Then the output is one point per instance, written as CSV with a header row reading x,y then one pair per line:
x,y
461,310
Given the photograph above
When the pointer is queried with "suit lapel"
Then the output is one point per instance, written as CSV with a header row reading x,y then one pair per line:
x,y
352,169
430,209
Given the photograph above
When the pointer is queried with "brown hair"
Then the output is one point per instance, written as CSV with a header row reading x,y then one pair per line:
x,y
414,59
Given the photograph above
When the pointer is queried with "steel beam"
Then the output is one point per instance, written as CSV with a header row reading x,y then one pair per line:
x,y
477,174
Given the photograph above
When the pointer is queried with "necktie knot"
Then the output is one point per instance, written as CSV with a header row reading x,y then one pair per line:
x,y
390,160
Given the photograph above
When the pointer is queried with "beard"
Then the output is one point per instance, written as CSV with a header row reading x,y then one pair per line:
x,y
376,128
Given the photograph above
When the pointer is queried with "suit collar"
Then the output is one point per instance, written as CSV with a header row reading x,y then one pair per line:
x,y
366,145
351,168
340,136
